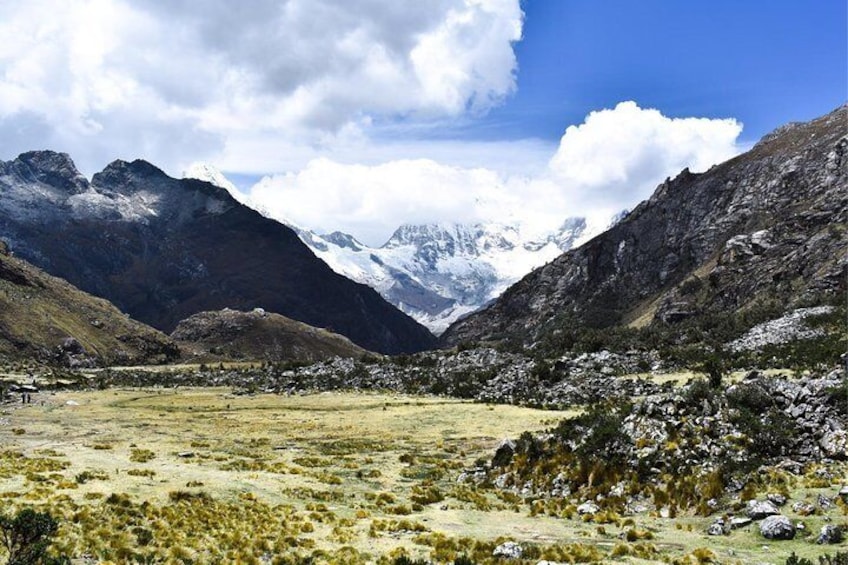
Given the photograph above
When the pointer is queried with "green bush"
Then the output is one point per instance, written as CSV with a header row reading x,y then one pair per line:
x,y
751,397
27,536
404,560
839,559
698,391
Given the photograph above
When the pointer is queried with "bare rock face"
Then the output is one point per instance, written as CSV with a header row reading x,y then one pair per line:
x,y
768,224
162,249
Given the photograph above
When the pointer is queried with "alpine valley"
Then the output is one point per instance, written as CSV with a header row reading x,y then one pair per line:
x,y
669,390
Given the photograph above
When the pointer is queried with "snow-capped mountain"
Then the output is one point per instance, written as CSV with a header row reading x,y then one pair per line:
x,y
437,273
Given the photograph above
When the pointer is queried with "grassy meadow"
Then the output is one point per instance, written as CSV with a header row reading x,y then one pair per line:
x,y
204,476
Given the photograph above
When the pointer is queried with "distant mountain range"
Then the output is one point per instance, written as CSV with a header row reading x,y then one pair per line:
x,y
162,249
436,273
768,227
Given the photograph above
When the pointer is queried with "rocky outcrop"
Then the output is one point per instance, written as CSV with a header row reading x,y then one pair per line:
x,y
684,434
791,327
162,249
766,225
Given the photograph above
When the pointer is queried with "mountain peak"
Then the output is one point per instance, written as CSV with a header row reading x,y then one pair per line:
x,y
51,168
343,240
129,177
209,173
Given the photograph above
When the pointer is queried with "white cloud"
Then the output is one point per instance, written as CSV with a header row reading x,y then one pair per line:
x,y
328,90
179,80
622,153
371,201
613,160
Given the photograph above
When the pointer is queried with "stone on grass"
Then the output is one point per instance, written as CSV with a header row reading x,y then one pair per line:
x,y
508,550
759,509
739,522
830,534
776,498
803,508
777,528
718,528
588,508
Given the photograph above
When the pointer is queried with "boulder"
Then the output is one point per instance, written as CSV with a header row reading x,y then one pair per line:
x,y
830,534
776,498
803,508
508,550
759,509
739,522
835,444
588,507
72,346
718,528
504,453
777,528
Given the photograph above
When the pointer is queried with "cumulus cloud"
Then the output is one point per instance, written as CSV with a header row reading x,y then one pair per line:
x,y
620,154
179,80
611,161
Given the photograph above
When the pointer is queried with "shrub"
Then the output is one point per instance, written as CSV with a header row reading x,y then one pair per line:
x,y
698,391
837,396
404,560
606,440
27,536
141,455
750,397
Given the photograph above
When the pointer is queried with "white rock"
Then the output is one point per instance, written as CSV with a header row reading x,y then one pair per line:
x,y
588,508
759,509
835,443
777,528
508,550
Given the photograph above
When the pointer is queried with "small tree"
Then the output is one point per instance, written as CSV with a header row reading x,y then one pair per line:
x,y
27,536
713,365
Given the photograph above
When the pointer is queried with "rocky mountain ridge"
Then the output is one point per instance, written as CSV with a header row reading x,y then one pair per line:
x,y
768,225
162,249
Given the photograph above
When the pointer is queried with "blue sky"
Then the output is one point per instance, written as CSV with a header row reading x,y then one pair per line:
x,y
360,115
764,63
